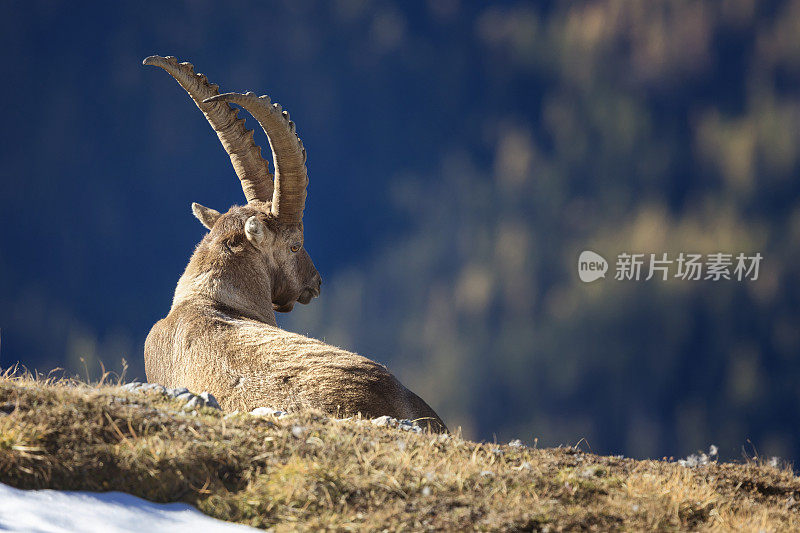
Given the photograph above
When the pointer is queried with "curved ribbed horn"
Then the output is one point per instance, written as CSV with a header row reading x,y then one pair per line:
x,y
237,140
288,154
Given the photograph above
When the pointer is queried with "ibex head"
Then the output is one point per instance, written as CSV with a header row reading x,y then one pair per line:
x,y
253,258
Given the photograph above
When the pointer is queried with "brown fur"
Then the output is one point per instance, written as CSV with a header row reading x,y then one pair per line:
x,y
221,335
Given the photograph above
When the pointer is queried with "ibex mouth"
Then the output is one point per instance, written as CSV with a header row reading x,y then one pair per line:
x,y
307,295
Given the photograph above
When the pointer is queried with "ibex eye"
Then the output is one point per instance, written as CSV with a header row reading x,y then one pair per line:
x,y
295,248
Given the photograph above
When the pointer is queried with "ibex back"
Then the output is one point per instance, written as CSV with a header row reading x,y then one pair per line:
x,y
220,334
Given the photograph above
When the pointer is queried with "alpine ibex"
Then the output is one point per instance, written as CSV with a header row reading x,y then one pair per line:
x,y
220,334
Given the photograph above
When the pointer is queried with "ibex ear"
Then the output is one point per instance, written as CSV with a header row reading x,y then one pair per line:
x,y
205,215
254,230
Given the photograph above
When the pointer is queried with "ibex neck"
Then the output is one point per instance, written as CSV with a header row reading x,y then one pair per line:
x,y
216,291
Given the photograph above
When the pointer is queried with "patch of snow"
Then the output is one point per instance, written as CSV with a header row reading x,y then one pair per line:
x,y
700,459
191,400
385,421
53,511
405,424
267,411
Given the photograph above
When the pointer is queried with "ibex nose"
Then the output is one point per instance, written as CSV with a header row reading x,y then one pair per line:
x,y
314,285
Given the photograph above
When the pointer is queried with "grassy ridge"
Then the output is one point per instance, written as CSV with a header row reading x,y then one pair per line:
x,y
307,471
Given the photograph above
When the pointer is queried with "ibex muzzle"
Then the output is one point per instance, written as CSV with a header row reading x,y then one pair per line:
x,y
220,334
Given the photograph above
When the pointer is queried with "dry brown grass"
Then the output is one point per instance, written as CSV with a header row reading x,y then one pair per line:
x,y
307,471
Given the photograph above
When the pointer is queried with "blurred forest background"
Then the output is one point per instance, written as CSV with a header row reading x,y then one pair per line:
x,y
461,156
